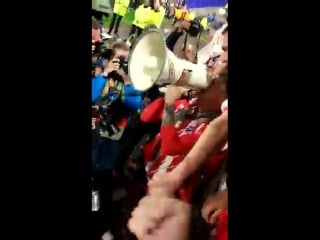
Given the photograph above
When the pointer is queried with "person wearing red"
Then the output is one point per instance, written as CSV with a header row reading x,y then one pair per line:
x,y
215,211
213,139
211,142
175,140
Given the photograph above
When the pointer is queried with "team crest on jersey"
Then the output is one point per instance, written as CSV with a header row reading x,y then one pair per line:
x,y
188,129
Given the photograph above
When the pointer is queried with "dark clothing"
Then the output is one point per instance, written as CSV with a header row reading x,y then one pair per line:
x,y
97,15
102,219
115,22
135,4
173,38
135,29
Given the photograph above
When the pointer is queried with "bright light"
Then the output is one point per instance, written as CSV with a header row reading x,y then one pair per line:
x,y
222,11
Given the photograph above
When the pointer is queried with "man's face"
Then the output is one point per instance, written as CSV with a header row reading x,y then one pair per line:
x,y
216,92
221,65
214,95
97,71
120,52
224,55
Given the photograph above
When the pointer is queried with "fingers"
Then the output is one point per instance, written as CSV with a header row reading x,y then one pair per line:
x,y
158,179
142,223
205,212
114,64
93,123
148,217
158,185
145,217
214,216
209,206
183,80
211,210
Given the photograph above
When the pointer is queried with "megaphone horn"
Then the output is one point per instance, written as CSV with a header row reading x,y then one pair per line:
x,y
150,62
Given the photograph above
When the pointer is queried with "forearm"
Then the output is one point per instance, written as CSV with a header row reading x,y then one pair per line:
x,y
173,38
170,141
168,116
210,143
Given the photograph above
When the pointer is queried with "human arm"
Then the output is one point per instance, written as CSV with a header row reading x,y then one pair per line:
x,y
153,112
97,85
214,205
159,218
210,143
171,143
129,90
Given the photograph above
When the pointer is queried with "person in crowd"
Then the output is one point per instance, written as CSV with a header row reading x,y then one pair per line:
x,y
153,113
107,149
119,10
96,31
115,79
160,215
217,131
177,141
188,51
98,82
163,185
215,211
157,15
210,53
141,18
135,4
174,36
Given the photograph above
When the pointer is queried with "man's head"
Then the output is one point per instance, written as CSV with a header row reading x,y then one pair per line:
x,y
120,48
98,70
213,96
224,55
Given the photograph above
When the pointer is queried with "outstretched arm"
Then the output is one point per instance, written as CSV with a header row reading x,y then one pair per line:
x,y
210,143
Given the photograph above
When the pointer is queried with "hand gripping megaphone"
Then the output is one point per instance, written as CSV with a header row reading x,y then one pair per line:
x,y
150,63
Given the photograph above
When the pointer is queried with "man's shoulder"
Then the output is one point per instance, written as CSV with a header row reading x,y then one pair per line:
x,y
98,79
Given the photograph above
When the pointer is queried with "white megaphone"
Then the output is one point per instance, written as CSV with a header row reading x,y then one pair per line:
x,y
150,62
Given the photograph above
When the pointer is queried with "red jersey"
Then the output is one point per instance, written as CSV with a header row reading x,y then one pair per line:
x,y
154,111
222,226
175,144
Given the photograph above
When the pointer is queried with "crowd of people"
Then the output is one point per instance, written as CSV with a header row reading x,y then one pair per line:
x,y
159,157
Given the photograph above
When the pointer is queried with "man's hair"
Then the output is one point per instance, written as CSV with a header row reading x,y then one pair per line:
x,y
119,45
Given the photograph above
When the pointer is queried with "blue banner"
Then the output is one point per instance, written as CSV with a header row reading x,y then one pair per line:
x,y
205,3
